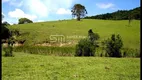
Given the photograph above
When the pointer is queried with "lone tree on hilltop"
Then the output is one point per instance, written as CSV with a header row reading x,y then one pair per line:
x,y
24,20
79,11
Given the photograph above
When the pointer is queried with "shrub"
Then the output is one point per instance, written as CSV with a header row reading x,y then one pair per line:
x,y
87,47
84,48
127,52
113,46
93,36
8,51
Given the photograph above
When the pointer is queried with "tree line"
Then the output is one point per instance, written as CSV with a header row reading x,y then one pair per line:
x,y
119,15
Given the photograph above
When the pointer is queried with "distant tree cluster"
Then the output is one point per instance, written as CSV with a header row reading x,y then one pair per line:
x,y
87,46
24,21
119,15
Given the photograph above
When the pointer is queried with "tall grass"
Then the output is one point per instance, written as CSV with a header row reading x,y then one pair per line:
x,y
125,52
70,51
57,51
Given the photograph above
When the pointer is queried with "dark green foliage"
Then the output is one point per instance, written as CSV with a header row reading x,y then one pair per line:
x,y
79,11
15,32
8,51
119,15
5,32
24,20
131,52
16,36
114,45
87,47
93,36
6,23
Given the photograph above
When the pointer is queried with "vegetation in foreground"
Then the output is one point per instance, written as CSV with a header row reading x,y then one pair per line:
x,y
39,67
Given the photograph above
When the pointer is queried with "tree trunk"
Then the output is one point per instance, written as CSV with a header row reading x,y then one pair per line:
x,y
78,18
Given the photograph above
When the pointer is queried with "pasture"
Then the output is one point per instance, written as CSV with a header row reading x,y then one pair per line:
x,y
74,30
27,65
24,66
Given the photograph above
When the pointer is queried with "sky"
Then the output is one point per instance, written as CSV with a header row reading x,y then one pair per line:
x,y
51,10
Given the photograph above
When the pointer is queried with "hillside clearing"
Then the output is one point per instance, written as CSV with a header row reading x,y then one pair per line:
x,y
72,29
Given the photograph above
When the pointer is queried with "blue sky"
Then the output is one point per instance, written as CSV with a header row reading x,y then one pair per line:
x,y
49,10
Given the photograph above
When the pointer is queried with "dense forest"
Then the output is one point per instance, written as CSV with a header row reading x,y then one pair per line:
x,y
118,15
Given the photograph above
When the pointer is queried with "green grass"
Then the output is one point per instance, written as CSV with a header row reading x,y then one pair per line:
x,y
40,67
40,32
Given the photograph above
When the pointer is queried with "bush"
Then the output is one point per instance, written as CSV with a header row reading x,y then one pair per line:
x,y
114,45
8,51
127,52
85,48
93,36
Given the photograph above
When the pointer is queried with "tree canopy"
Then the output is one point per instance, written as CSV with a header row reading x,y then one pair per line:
x,y
79,11
24,20
5,32
119,15
114,45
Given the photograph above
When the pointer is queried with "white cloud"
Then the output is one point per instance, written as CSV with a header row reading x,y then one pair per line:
x,y
18,13
105,5
63,11
37,7
45,7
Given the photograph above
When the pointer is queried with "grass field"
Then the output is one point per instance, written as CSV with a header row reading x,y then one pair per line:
x,y
41,31
40,67
26,66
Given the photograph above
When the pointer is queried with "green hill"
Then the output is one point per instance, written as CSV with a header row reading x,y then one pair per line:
x,y
74,30
119,15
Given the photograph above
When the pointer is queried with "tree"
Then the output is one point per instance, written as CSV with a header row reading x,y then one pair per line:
x,y
87,46
79,11
119,15
130,18
24,20
93,36
6,23
114,45
5,32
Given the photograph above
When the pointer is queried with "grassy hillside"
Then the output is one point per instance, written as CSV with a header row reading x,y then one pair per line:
x,y
41,67
40,32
